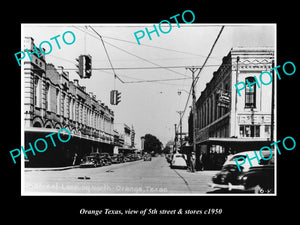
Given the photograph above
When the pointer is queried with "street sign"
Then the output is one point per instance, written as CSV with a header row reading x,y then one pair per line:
x,y
223,99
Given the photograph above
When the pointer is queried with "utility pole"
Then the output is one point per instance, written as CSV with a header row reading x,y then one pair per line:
x,y
175,139
193,70
180,127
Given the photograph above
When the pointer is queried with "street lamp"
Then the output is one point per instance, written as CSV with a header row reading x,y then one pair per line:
x,y
180,90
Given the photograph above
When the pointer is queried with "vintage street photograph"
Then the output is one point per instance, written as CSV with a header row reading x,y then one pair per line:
x,y
148,109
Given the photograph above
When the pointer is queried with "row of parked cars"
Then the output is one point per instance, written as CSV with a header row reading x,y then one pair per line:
x,y
96,159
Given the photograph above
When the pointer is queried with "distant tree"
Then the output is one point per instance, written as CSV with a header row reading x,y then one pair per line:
x,y
167,150
152,144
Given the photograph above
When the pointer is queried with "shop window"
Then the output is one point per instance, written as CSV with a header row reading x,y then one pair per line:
x,y
267,130
249,131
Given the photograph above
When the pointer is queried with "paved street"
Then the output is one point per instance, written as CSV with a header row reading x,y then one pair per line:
x,y
138,177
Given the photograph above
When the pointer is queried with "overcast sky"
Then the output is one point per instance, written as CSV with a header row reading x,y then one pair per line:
x,y
150,106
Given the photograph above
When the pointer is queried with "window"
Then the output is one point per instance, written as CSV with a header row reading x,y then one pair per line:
x,y
267,130
250,93
249,131
57,102
47,97
37,92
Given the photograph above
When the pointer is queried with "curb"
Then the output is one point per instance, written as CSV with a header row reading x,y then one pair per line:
x,y
51,169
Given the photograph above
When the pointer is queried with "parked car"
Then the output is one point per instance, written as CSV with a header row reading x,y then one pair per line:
x,y
178,161
169,158
116,158
147,157
105,158
258,177
98,158
130,157
89,161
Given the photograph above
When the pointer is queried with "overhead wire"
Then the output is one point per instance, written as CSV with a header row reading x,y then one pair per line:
x,y
197,77
147,45
115,75
146,60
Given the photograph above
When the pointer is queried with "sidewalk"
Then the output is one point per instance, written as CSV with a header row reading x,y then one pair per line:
x,y
51,168
197,182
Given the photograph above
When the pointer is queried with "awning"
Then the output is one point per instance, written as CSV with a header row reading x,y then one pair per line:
x,y
51,130
236,142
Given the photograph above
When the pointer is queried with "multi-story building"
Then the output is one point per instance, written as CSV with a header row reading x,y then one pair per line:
x,y
126,138
229,123
52,102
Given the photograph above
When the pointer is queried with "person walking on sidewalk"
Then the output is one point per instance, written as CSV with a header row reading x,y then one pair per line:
x,y
74,159
193,162
201,167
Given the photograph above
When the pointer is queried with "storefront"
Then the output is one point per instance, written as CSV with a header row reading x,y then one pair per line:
x,y
63,154
215,150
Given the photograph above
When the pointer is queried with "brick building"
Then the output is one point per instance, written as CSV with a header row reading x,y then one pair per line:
x,y
52,102
226,121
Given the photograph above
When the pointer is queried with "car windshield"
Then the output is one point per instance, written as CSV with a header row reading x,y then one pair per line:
x,y
241,157
89,158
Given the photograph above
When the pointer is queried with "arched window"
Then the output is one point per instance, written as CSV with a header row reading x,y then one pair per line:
x,y
47,96
250,93
37,91
57,101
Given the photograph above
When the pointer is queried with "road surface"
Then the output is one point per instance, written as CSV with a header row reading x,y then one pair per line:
x,y
138,177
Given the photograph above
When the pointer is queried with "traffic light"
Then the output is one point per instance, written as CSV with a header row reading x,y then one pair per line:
x,y
88,66
112,97
118,97
115,97
84,66
80,66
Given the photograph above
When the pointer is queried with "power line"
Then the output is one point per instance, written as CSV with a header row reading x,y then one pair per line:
x,y
147,45
146,60
197,77
106,53
212,48
143,81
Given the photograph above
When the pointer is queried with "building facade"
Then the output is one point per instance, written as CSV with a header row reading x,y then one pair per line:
x,y
126,138
52,102
229,123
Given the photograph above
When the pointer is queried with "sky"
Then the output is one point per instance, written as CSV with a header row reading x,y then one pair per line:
x,y
150,107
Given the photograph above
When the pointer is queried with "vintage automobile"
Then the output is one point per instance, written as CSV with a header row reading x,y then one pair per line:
x,y
105,158
169,158
116,158
178,161
147,157
89,161
257,178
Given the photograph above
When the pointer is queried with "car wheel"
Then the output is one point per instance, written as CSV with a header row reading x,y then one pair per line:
x,y
258,189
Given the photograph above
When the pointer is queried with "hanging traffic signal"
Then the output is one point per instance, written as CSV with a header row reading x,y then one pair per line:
x,y
112,97
118,97
84,66
80,66
115,97
88,66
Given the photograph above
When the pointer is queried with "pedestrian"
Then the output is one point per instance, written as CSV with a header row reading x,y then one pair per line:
x,y
201,161
193,162
74,159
